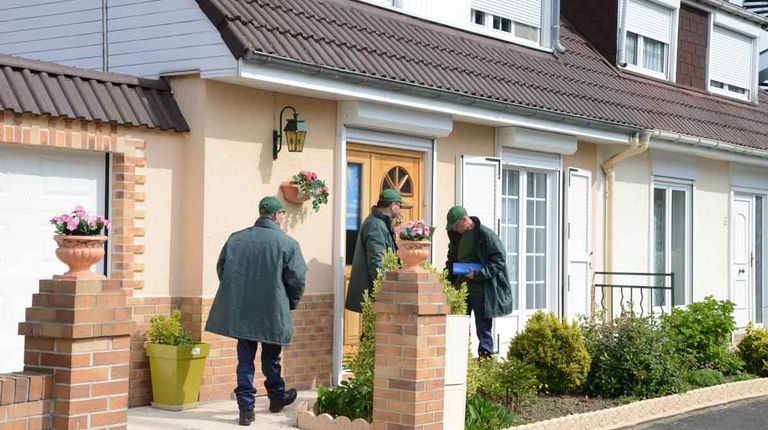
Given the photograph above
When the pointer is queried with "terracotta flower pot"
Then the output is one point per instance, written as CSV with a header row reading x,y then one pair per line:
x,y
413,252
79,253
291,193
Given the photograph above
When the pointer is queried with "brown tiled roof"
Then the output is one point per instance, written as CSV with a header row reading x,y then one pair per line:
x,y
363,39
41,88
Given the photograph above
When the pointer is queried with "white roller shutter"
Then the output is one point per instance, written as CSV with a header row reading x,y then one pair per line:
x,y
731,59
524,11
480,189
650,20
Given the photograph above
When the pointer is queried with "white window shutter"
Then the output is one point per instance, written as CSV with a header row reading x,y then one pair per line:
x,y
578,232
650,20
731,58
480,188
524,11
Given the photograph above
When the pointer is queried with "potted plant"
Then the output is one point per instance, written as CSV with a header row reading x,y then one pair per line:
x,y
306,186
176,363
413,243
81,242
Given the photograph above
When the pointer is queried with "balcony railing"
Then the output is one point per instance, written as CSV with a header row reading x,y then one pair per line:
x,y
617,292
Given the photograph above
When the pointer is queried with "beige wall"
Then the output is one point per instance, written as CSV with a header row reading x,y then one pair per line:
x,y
466,139
711,200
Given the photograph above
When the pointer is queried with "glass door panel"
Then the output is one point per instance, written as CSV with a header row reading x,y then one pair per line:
x,y
510,227
536,239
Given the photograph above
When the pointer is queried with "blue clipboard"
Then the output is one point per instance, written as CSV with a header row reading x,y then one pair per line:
x,y
461,269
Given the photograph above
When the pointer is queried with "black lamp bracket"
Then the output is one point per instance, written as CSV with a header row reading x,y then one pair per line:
x,y
277,135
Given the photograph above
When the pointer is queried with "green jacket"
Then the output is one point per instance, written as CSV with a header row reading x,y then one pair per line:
x,y
375,236
261,279
490,251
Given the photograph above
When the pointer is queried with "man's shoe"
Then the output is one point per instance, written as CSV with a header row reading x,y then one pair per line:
x,y
247,417
277,405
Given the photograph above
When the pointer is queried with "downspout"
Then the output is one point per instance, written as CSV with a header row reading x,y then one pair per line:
x,y
622,51
637,145
556,44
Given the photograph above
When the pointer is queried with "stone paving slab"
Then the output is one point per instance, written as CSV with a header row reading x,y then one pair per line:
x,y
744,415
215,416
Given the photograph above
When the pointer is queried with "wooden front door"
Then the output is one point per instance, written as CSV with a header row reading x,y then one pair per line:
x,y
370,170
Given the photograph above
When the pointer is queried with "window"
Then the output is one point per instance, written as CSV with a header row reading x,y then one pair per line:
x,y
649,32
521,22
671,238
646,53
478,17
731,63
527,232
354,203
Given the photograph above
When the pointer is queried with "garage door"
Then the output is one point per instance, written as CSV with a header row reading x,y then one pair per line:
x,y
35,185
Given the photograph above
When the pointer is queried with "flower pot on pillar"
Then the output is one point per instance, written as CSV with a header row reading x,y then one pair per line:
x,y
413,252
79,253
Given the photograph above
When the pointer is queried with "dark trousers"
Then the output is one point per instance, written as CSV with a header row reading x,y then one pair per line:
x,y
483,325
270,367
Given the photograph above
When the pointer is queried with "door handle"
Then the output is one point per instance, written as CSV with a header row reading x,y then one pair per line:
x,y
741,271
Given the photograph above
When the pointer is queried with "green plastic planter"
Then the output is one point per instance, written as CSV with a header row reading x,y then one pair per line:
x,y
176,373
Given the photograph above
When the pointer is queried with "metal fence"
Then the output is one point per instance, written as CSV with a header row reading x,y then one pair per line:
x,y
614,293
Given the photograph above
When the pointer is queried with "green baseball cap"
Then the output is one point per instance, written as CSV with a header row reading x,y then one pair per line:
x,y
391,195
269,205
455,214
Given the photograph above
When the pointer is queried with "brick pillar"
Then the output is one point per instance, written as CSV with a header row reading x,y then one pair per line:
x,y
79,330
410,352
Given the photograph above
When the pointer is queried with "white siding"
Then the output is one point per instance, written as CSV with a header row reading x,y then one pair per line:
x,y
525,11
67,32
155,37
146,37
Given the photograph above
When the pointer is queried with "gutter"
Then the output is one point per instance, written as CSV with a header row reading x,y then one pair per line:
x,y
434,93
738,11
709,148
638,144
556,43
622,52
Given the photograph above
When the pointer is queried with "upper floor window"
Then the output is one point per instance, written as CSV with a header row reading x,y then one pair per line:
x,y
731,63
649,32
520,19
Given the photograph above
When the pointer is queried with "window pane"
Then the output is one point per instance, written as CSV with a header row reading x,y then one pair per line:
x,y
653,55
678,241
478,17
759,273
496,22
353,214
659,242
535,244
631,49
510,227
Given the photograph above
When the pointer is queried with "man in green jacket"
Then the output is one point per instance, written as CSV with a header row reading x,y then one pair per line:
x,y
376,235
261,279
490,294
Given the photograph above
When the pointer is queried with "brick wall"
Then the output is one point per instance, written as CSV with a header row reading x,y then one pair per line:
x,y
597,20
692,36
25,401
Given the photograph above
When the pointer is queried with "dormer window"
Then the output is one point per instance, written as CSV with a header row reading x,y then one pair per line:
x,y
731,64
649,32
520,19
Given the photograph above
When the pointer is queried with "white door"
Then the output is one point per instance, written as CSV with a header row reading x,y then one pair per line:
x,y
479,193
577,231
35,185
741,257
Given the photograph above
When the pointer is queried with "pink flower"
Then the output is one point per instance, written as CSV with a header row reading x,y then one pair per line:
x,y
426,230
410,225
107,224
54,220
73,223
64,218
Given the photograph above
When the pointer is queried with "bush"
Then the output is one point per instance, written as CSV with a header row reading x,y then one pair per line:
x,y
699,378
168,331
753,349
556,351
509,382
482,414
455,296
632,356
354,398
702,333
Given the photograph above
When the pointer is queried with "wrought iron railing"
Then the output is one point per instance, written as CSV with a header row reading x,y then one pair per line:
x,y
611,297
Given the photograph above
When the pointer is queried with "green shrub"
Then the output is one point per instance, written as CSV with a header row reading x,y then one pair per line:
x,y
455,296
753,349
354,398
168,331
632,356
699,378
482,414
702,333
556,351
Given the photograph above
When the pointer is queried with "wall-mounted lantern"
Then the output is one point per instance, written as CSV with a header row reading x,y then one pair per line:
x,y
295,134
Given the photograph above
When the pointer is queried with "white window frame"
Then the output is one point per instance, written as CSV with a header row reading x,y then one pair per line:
x,y
751,94
670,184
640,56
552,282
487,28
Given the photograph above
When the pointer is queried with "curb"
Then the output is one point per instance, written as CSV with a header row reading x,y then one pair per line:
x,y
654,409
306,420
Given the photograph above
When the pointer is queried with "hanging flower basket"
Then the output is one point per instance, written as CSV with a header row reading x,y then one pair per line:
x,y
291,193
305,186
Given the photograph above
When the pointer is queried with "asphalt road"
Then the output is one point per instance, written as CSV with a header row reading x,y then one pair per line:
x,y
745,415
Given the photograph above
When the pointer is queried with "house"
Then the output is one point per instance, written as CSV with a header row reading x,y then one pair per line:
x,y
593,136
761,8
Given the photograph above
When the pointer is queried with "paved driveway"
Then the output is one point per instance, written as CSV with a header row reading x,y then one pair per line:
x,y
745,415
